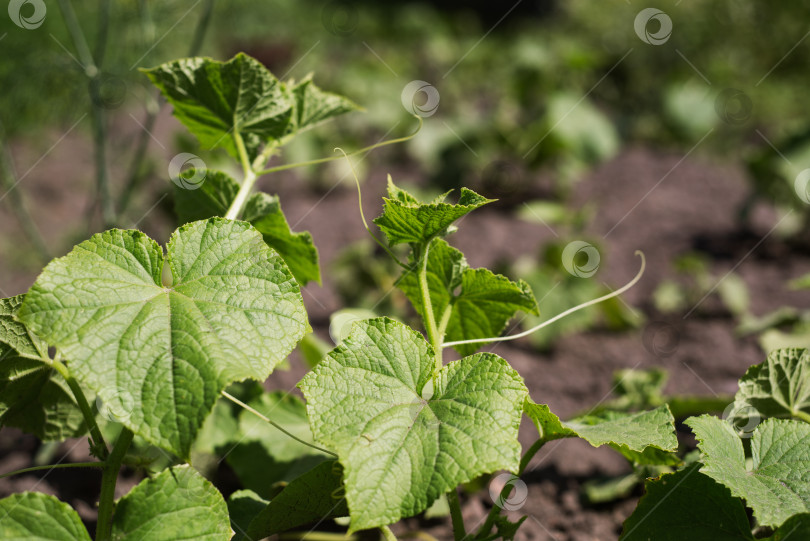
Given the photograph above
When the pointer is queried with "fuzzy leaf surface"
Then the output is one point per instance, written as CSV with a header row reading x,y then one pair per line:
x,y
160,355
405,435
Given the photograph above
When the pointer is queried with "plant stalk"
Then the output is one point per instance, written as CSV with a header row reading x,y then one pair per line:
x,y
54,467
235,210
99,445
388,535
799,414
109,476
427,308
459,532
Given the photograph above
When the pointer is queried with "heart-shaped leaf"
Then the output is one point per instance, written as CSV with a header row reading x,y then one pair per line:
x,y
404,434
157,354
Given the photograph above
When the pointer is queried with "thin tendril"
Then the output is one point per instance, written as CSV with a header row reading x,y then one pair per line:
x,y
548,322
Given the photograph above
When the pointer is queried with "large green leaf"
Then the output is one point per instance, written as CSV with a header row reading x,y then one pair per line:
x,y
177,503
480,301
796,527
315,496
215,99
404,219
687,505
33,397
32,516
777,484
243,506
160,354
779,387
645,437
263,211
404,434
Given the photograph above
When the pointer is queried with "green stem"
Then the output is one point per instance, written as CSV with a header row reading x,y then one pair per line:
x,y
202,27
247,183
388,535
799,414
496,510
318,536
99,445
265,419
109,476
54,467
445,319
455,515
427,308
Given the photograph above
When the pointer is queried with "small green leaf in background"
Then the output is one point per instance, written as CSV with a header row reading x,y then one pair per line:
x,y
33,516
263,211
177,503
647,437
215,99
161,354
776,486
687,505
317,495
243,506
404,219
33,397
405,435
485,301
779,387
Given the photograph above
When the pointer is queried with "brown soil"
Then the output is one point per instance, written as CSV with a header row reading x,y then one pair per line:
x,y
693,207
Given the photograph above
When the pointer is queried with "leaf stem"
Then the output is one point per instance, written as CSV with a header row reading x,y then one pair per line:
x,y
267,420
459,532
548,322
99,445
496,509
109,476
353,153
247,183
804,416
318,536
54,467
427,308
388,535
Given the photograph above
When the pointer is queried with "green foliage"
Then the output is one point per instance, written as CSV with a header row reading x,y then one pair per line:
x,y
215,99
159,354
218,191
475,302
33,397
409,434
32,516
775,485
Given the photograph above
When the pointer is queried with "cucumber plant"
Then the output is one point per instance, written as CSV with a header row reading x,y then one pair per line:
x,y
155,341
